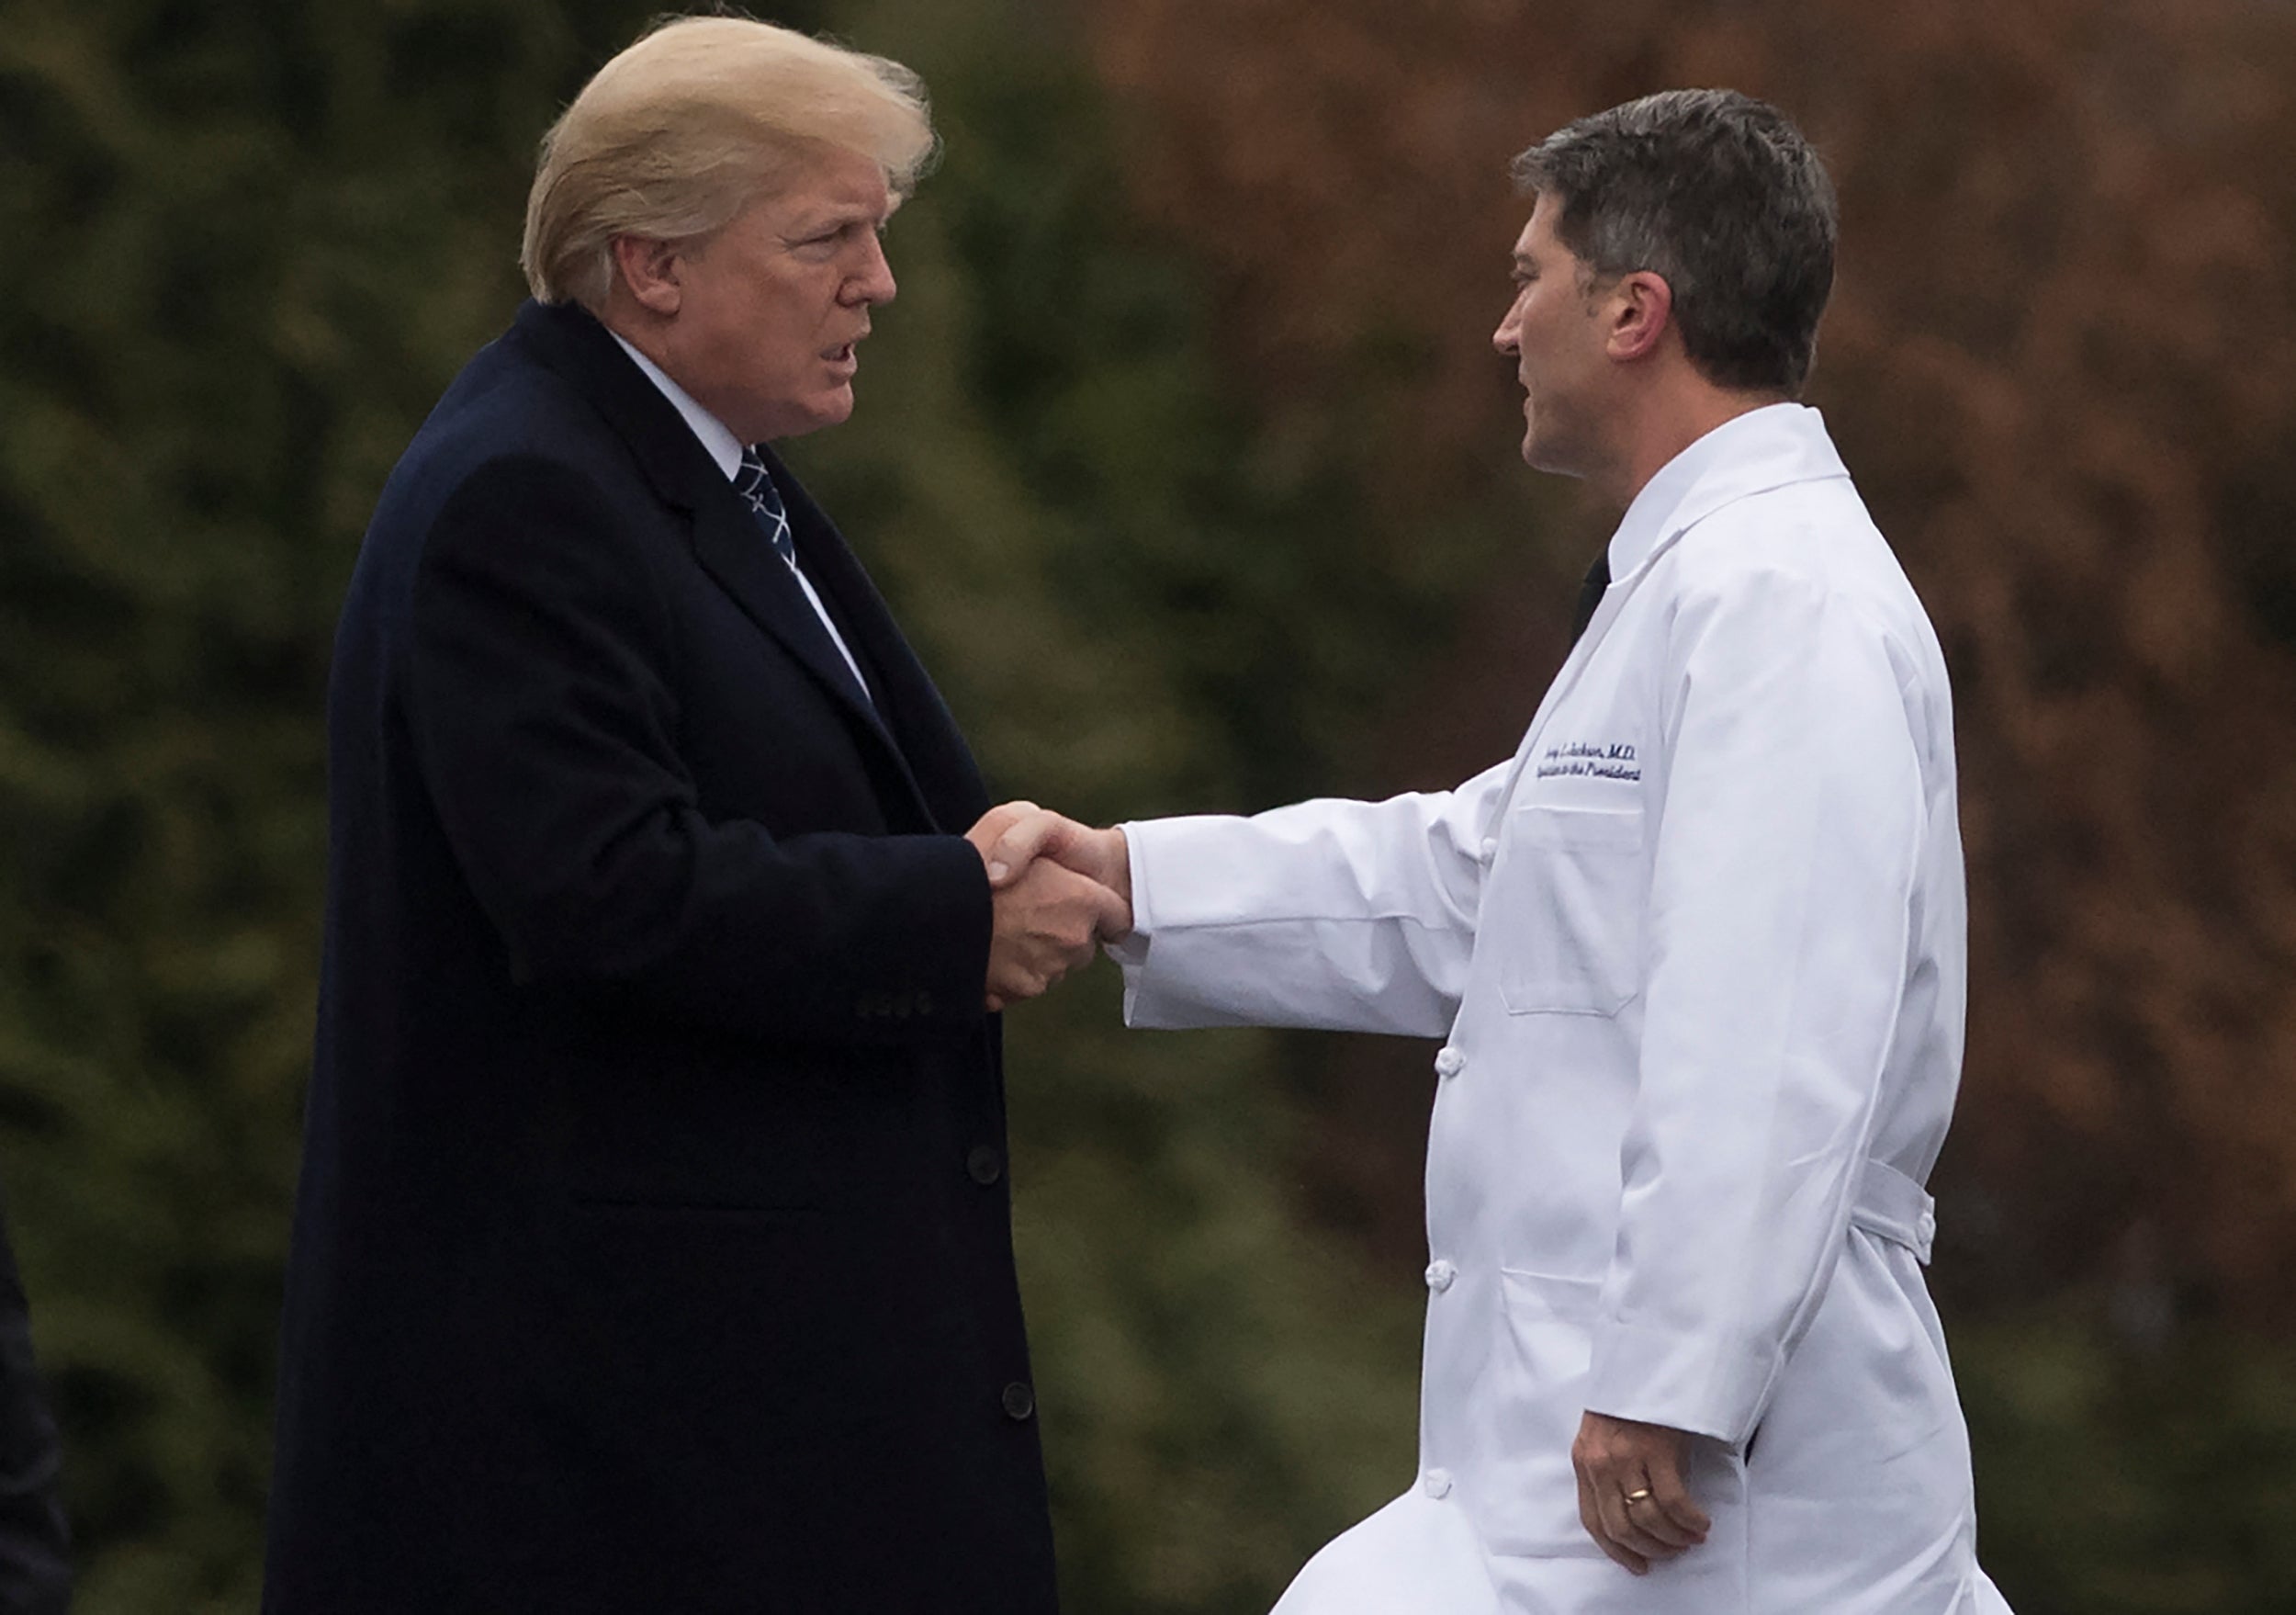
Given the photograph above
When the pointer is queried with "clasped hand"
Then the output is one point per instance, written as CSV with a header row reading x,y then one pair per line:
x,y
1060,888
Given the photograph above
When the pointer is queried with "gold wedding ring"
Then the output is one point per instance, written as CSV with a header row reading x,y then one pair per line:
x,y
1638,1495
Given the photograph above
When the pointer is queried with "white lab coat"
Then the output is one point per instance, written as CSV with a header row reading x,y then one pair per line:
x,y
1698,953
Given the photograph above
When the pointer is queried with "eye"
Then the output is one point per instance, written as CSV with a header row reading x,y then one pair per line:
x,y
836,237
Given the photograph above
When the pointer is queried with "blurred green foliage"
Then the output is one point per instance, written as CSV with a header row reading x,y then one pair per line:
x,y
243,248
2118,1477
247,246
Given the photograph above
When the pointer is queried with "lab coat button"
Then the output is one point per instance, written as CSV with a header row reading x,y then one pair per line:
x,y
1019,1401
1439,1275
1490,848
1449,1062
1927,1225
1438,1482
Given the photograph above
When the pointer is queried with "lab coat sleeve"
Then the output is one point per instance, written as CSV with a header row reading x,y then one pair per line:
x,y
1349,916
1776,940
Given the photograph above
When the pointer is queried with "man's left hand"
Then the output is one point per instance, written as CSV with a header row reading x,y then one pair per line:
x,y
1632,1499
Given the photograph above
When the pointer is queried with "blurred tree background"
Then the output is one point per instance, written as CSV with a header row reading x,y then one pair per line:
x,y
1184,459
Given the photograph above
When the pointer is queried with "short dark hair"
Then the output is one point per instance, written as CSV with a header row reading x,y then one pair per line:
x,y
1720,194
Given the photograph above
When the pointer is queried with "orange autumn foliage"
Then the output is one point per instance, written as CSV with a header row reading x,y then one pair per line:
x,y
2061,360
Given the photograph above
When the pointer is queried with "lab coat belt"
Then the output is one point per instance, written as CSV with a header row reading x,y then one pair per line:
x,y
1893,1206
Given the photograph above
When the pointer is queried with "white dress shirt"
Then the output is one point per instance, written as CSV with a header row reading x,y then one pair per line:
x,y
725,449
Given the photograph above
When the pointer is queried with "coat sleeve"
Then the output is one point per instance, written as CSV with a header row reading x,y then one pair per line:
x,y
540,698
1348,916
1778,930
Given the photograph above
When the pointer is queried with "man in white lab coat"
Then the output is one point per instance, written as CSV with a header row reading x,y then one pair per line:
x,y
1696,951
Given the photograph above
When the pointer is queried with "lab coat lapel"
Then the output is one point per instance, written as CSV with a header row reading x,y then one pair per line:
x,y
1757,452
1574,666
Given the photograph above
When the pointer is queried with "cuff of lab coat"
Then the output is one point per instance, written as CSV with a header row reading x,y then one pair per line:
x,y
1130,952
1686,1382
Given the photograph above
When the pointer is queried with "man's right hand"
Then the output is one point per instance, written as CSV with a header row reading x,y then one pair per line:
x,y
1028,835
1050,920
1049,916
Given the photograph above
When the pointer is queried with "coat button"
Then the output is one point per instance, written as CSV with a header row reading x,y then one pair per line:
x,y
1449,1062
1019,1401
1438,1482
1439,1275
1927,1225
986,1164
1489,848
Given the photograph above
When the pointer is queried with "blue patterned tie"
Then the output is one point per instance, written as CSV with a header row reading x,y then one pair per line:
x,y
755,485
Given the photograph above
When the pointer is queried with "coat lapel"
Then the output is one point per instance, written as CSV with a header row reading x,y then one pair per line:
x,y
732,550
729,548
1769,448
1574,665
907,703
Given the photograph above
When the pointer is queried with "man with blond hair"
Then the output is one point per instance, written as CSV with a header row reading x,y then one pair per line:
x,y
653,1250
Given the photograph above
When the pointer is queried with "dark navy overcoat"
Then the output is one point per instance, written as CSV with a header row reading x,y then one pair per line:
x,y
652,1251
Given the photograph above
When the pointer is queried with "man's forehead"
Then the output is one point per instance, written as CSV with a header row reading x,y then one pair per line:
x,y
842,183
1537,237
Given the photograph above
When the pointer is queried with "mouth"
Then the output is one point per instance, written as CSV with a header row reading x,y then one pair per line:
x,y
844,356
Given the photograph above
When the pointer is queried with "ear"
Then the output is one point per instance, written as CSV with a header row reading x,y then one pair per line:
x,y
1640,307
650,269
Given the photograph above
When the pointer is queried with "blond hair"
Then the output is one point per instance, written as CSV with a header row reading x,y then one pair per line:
x,y
675,135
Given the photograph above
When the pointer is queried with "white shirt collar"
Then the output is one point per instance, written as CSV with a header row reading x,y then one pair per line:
x,y
715,435
1663,506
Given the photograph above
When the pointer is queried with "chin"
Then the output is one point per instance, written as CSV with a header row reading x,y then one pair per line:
x,y
1549,458
832,409
799,417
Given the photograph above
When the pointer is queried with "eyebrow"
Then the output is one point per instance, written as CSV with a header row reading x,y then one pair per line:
x,y
837,218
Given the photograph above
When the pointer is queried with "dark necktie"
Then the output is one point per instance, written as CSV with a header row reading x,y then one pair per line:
x,y
1590,593
755,485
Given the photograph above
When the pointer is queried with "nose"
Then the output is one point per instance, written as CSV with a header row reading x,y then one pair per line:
x,y
1510,329
872,280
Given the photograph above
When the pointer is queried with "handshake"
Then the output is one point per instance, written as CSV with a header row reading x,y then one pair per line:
x,y
1060,889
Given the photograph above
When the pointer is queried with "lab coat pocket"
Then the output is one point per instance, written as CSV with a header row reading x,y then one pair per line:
x,y
1568,909
1539,1378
